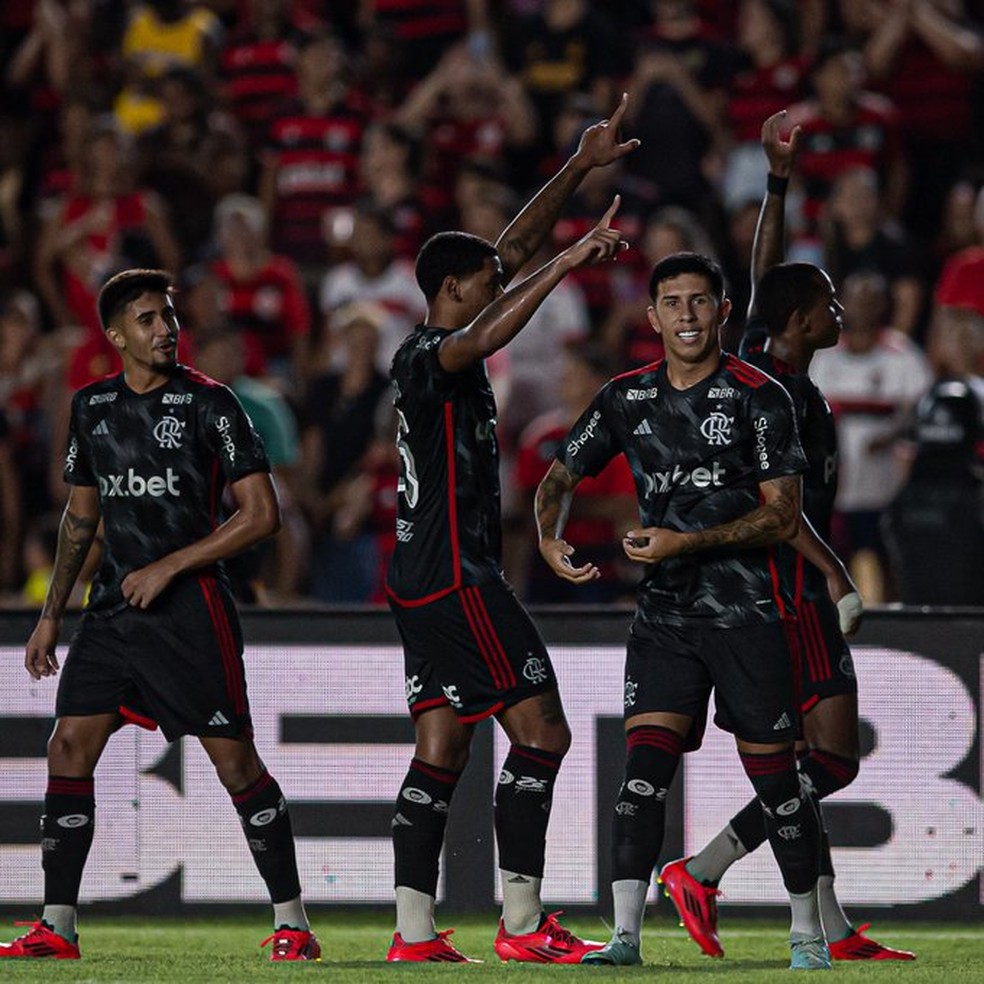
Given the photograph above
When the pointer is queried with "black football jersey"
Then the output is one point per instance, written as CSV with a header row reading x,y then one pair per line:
x,y
818,435
160,461
448,526
697,457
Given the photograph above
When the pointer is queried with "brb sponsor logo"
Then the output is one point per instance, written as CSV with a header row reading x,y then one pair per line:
x,y
642,394
578,442
700,478
132,484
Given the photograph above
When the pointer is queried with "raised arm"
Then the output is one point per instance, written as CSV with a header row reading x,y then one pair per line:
x,y
257,517
552,506
506,316
769,247
76,532
598,147
775,520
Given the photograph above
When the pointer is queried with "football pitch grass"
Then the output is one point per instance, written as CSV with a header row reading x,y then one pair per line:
x,y
225,949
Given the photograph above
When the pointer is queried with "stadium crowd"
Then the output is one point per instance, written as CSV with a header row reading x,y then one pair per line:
x,y
286,159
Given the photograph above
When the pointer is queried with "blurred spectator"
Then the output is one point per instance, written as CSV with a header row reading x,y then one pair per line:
x,y
174,158
958,226
607,283
102,226
771,75
598,522
30,380
310,160
390,170
961,282
256,66
845,127
467,106
261,296
11,510
423,30
274,570
927,57
679,86
160,35
564,46
377,275
858,237
872,379
934,529
338,427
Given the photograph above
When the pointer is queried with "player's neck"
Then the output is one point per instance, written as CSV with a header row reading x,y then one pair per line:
x,y
682,375
142,379
797,356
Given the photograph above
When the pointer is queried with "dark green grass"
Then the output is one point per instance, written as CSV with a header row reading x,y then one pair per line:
x,y
226,950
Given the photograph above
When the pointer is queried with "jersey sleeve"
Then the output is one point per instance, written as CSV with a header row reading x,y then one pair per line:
x,y
429,378
591,443
230,434
77,470
778,450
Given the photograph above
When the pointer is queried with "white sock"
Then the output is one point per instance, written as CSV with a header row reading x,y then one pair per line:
x,y
629,897
836,925
806,916
711,862
414,915
522,909
290,914
62,919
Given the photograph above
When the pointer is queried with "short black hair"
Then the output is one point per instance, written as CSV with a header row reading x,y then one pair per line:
x,y
679,263
127,286
450,254
784,289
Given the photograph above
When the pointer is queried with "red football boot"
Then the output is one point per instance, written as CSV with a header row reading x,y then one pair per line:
x,y
293,944
696,904
857,946
437,950
40,941
551,943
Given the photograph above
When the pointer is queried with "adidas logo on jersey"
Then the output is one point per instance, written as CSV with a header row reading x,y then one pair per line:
x,y
643,428
783,722
101,429
217,720
132,484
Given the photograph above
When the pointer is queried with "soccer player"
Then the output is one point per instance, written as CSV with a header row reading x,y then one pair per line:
x,y
794,312
471,651
713,447
159,644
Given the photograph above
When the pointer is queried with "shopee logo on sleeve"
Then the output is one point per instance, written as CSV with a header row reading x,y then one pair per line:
x,y
224,428
578,441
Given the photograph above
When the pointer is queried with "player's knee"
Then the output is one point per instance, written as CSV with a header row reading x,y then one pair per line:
x,y
828,772
69,754
553,737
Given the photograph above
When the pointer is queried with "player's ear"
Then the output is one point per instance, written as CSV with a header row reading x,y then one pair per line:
x,y
116,338
654,324
724,312
452,287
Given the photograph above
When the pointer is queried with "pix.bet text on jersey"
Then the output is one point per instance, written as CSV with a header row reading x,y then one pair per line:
x,y
697,457
160,461
448,529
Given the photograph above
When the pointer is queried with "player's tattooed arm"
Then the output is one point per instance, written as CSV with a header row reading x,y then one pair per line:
x,y
552,506
76,533
598,147
776,519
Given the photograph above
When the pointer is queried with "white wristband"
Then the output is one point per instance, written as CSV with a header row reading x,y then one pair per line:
x,y
849,610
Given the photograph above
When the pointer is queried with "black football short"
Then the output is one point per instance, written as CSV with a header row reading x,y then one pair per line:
x,y
475,649
673,669
177,665
821,657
